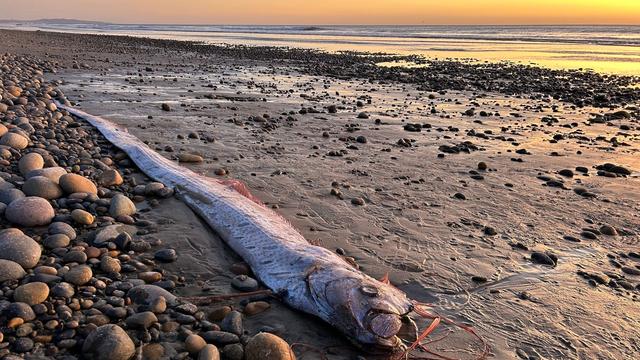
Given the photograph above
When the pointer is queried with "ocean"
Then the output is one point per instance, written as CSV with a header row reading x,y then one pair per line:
x,y
606,49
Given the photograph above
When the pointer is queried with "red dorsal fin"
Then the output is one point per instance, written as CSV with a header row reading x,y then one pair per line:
x,y
242,189
385,279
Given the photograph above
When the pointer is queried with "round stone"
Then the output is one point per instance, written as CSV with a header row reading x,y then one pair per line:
x,y
74,183
82,217
62,228
30,211
108,342
256,307
110,178
142,320
20,310
109,264
194,343
7,196
56,241
62,290
265,346
244,283
31,293
147,295
17,247
14,140
29,162
52,173
79,275
121,206
166,255
43,187
10,270
209,352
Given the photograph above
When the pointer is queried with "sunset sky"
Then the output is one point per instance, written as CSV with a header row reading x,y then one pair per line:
x,y
331,11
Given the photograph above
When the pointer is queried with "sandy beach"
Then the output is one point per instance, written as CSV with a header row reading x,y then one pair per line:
x,y
504,196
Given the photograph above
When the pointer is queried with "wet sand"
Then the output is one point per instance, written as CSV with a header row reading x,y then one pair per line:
x,y
470,258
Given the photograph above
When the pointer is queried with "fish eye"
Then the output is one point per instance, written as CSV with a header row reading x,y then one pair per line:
x,y
369,290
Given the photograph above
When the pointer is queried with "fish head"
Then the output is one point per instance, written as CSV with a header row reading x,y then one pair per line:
x,y
368,311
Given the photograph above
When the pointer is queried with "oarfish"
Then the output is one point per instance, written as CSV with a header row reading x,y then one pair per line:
x,y
308,278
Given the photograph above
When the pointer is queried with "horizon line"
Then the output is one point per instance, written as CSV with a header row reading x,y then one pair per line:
x,y
316,24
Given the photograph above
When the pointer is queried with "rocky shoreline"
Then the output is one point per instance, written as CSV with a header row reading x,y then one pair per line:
x,y
81,271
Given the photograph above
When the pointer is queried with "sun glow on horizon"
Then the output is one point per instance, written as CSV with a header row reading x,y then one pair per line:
x,y
292,12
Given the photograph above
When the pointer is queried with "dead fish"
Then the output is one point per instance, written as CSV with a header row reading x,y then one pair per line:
x,y
308,278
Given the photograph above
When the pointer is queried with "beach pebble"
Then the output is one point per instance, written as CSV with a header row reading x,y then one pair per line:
x,y
608,230
23,345
62,228
190,158
14,140
108,342
79,275
142,320
20,310
109,264
244,283
43,187
73,183
56,241
232,323
233,352
30,211
194,343
121,206
31,293
52,173
166,255
110,178
542,258
256,307
146,295
265,346
10,270
7,196
17,247
209,352
30,162
221,337
165,107
82,217
62,290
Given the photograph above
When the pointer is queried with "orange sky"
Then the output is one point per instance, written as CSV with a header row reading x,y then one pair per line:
x,y
331,11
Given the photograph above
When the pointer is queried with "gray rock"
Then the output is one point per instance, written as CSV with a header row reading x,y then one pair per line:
x,y
7,196
121,206
51,173
10,271
62,290
142,320
62,228
30,211
19,248
108,342
56,241
147,294
42,187
29,162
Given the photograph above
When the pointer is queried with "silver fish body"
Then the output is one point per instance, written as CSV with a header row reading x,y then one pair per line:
x,y
309,278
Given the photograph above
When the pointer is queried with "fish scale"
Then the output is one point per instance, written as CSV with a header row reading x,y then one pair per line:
x,y
309,278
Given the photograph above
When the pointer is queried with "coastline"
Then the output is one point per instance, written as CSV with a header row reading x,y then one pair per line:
x,y
413,223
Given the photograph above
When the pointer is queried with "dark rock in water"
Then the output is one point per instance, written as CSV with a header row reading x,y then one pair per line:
x,y
232,323
542,258
413,127
363,115
244,283
459,196
166,255
358,201
465,147
479,279
166,107
482,166
488,230
108,342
